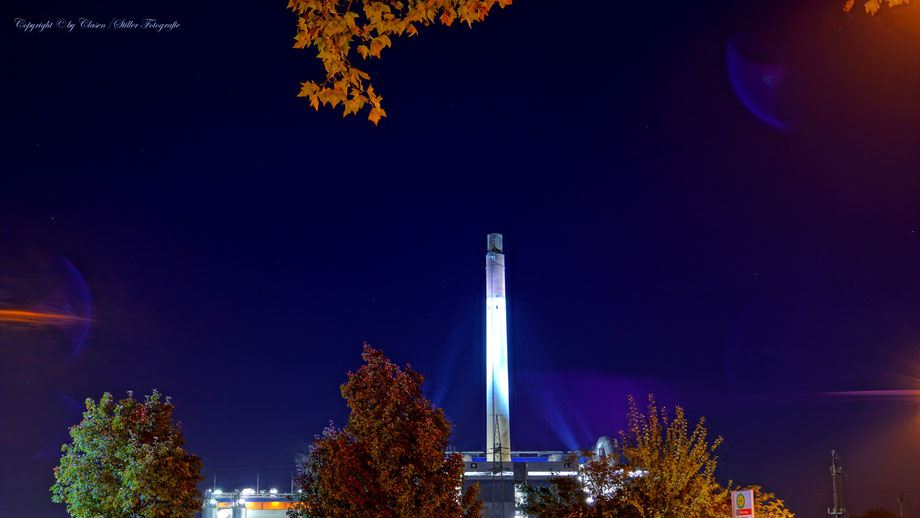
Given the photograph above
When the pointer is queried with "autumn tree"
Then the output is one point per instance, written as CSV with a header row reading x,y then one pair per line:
x,y
661,471
766,504
390,460
678,465
126,459
596,492
872,6
335,28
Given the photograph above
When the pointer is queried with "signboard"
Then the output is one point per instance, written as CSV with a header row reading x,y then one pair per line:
x,y
743,503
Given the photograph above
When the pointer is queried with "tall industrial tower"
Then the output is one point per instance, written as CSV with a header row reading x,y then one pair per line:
x,y
498,423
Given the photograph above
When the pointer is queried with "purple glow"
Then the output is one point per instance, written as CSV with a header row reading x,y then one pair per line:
x,y
72,299
757,81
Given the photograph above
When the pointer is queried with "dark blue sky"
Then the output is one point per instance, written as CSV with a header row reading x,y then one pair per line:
x,y
238,247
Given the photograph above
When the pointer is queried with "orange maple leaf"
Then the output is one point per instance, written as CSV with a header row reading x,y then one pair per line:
x,y
375,115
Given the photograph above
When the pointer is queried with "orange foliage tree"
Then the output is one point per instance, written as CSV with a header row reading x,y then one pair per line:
x,y
766,505
336,27
872,6
390,460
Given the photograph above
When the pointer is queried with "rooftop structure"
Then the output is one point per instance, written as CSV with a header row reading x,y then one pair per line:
x,y
245,503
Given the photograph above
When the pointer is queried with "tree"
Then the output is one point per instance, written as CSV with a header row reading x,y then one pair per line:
x,y
335,28
127,459
595,493
766,505
662,472
878,512
678,467
872,6
390,460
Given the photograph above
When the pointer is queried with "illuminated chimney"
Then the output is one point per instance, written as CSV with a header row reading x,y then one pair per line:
x,y
498,423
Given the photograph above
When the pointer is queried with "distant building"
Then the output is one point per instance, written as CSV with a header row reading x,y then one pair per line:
x,y
245,503
500,483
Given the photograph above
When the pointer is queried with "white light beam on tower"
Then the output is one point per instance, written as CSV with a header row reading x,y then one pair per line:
x,y
498,422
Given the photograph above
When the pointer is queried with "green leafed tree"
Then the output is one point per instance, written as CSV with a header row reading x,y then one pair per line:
x,y
127,459
597,491
390,460
342,30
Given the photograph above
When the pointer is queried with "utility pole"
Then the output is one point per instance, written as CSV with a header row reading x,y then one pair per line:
x,y
835,472
901,504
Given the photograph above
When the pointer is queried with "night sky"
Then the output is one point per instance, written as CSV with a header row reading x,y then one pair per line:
x,y
718,203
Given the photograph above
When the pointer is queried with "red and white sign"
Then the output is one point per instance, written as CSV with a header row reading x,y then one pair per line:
x,y
743,503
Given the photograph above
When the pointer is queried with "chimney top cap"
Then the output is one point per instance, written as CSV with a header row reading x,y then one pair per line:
x,y
495,243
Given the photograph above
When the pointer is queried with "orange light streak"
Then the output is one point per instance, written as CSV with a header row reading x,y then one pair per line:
x,y
34,317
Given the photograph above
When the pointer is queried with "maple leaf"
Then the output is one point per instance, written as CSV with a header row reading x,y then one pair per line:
x,y
848,5
376,47
307,89
350,18
872,6
446,19
372,97
375,115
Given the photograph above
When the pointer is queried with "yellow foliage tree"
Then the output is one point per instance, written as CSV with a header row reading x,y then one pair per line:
x,y
872,6
661,470
679,466
766,505
336,27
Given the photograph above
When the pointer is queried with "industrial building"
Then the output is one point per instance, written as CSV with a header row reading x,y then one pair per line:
x,y
498,469
245,503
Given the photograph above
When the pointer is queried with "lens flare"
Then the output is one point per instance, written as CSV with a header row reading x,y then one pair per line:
x,y
884,394
35,318
64,302
757,78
